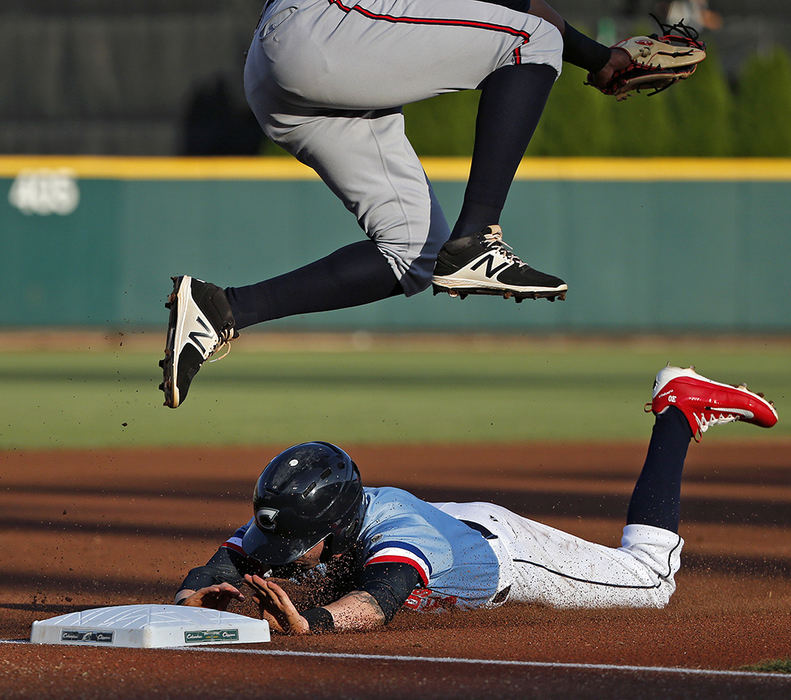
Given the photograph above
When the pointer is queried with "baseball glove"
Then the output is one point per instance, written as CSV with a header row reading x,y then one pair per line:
x,y
657,61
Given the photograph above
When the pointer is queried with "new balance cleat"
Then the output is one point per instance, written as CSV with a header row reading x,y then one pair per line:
x,y
706,403
482,263
200,323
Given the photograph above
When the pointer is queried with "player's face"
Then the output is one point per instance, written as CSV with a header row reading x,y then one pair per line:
x,y
312,557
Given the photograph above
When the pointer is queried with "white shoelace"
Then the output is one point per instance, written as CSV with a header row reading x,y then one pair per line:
x,y
227,345
495,238
223,341
705,423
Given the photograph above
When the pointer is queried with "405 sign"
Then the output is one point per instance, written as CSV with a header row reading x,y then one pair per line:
x,y
45,191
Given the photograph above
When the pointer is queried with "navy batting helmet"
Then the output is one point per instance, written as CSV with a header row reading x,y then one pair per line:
x,y
308,493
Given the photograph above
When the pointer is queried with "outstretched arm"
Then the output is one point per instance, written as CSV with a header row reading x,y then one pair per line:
x,y
382,590
357,610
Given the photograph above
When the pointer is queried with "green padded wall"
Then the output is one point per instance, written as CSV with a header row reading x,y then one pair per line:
x,y
707,253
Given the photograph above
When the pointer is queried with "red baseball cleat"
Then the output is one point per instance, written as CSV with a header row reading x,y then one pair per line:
x,y
706,403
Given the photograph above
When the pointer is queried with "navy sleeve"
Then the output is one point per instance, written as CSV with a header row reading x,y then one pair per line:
x,y
518,5
390,584
226,565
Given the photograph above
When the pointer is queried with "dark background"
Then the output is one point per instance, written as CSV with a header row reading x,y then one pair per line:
x,y
163,77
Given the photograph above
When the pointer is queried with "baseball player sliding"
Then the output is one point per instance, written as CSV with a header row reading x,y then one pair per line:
x,y
326,80
382,549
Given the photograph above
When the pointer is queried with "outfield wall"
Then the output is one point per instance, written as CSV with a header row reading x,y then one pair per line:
x,y
645,244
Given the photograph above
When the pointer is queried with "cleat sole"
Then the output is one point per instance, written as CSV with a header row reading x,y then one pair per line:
x,y
518,297
166,364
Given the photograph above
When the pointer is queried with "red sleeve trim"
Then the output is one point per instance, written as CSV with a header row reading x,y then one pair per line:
x,y
234,547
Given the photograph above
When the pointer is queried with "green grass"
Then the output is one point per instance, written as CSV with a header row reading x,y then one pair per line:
x,y
543,391
770,666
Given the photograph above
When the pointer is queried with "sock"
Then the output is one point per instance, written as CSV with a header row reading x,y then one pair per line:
x,y
351,276
512,100
656,499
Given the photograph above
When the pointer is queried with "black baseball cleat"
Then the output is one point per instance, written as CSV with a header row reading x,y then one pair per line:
x,y
200,322
481,263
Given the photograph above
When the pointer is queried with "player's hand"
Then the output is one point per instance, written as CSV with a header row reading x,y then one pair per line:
x,y
276,607
216,597
619,60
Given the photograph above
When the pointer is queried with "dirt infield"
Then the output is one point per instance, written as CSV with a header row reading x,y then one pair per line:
x,y
88,529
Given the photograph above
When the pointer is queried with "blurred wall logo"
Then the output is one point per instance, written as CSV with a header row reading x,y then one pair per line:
x,y
45,191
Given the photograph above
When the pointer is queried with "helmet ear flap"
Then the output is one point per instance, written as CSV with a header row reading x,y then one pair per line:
x,y
349,528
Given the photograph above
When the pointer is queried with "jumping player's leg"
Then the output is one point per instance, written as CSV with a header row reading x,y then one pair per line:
x,y
518,91
512,100
475,260
350,276
392,200
430,48
511,103
326,81
378,177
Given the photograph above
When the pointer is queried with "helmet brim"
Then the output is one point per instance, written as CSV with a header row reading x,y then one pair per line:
x,y
273,549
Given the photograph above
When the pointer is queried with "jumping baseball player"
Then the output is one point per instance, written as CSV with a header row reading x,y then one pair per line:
x,y
381,549
326,80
